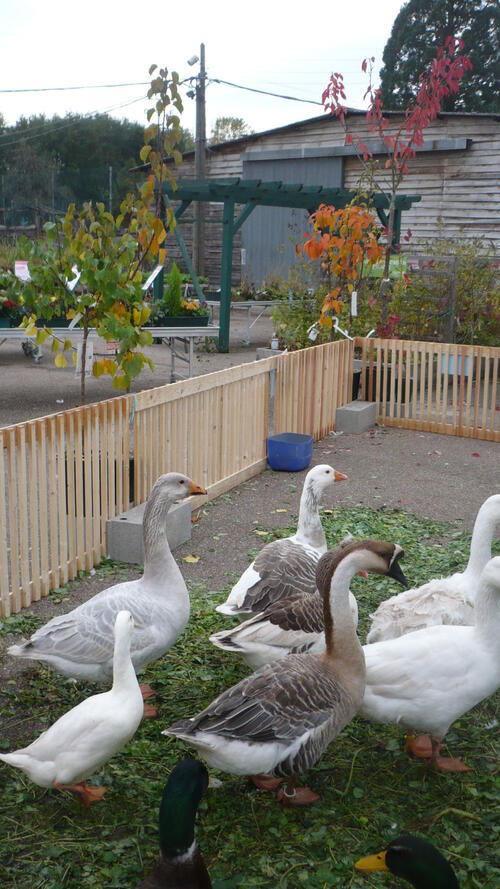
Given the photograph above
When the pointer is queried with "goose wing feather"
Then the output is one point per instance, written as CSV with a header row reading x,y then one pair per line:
x,y
275,704
285,569
85,635
289,623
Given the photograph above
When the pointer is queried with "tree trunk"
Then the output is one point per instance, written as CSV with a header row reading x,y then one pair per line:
x,y
384,284
84,356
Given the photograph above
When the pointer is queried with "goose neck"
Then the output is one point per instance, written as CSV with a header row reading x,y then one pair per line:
x,y
340,633
123,669
487,614
158,559
480,546
310,529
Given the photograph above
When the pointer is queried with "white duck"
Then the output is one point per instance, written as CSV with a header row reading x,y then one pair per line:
x,y
82,740
288,626
281,719
80,644
445,600
286,568
428,679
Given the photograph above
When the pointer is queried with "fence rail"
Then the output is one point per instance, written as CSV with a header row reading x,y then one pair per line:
x,y
433,387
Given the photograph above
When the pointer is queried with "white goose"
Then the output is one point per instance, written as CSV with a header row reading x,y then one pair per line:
x,y
429,678
281,719
286,568
80,644
445,600
84,738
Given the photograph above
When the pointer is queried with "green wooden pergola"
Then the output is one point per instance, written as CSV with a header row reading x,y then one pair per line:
x,y
248,194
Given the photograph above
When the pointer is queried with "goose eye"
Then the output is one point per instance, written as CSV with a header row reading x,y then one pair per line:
x,y
181,481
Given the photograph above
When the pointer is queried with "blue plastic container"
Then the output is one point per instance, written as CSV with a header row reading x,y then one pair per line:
x,y
289,451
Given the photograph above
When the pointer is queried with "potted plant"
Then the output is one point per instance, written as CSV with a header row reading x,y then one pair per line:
x,y
175,311
10,309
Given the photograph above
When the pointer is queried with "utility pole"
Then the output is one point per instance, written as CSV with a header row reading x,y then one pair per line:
x,y
200,167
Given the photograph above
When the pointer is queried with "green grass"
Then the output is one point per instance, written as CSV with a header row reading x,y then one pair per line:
x,y
371,790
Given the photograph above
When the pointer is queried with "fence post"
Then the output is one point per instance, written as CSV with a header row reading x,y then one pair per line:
x,y
452,300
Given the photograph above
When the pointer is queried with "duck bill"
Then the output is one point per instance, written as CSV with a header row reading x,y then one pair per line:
x,y
339,476
196,489
372,862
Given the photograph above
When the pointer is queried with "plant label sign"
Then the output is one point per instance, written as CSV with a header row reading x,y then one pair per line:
x,y
21,270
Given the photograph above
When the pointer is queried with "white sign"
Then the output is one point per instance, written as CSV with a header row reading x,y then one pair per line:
x,y
21,270
354,303
154,274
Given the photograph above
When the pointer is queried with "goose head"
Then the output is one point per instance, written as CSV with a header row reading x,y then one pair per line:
x,y
320,478
360,556
124,625
414,860
172,487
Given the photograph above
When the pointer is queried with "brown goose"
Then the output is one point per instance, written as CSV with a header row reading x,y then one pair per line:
x,y
281,719
286,568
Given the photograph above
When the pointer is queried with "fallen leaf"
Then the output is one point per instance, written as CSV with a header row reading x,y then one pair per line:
x,y
328,511
261,533
191,559
475,454
281,510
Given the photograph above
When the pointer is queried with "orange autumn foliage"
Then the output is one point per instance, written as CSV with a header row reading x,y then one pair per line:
x,y
344,240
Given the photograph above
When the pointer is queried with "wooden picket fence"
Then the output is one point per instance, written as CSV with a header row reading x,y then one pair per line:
x,y
433,387
63,476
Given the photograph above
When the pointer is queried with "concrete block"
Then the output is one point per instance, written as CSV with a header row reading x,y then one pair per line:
x,y
357,416
124,532
264,352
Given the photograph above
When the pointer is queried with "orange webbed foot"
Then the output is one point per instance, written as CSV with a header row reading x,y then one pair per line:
x,y
266,782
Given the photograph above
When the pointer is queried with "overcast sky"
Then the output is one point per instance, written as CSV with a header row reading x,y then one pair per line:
x,y
282,47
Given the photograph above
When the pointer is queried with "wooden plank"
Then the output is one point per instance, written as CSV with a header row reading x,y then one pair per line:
x,y
13,520
33,512
5,594
97,506
54,563
103,475
22,503
486,391
80,532
61,497
237,478
71,494
43,500
494,413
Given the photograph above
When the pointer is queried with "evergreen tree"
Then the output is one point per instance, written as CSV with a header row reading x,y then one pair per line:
x,y
420,28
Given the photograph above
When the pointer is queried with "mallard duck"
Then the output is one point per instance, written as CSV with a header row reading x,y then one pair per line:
x,y
445,600
181,863
286,568
414,860
427,679
80,644
84,738
281,719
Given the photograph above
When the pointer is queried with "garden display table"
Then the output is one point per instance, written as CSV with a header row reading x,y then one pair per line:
x,y
187,335
259,306
75,334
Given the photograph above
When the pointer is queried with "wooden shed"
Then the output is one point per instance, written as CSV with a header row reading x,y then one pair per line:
x,y
456,172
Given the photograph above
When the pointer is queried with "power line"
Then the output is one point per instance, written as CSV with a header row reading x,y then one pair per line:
x,y
252,89
62,89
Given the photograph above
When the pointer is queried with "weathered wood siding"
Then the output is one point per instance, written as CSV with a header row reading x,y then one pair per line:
x,y
460,189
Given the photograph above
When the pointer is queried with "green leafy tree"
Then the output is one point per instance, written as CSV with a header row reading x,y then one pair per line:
x,y
420,28
110,253
227,128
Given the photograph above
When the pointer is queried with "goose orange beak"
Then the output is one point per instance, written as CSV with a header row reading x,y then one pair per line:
x,y
339,476
372,862
196,489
